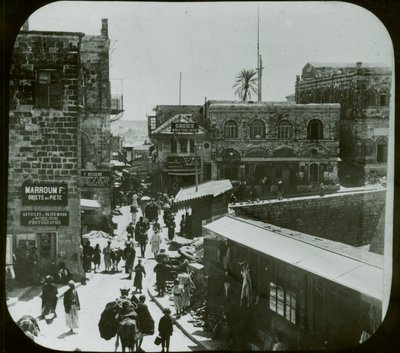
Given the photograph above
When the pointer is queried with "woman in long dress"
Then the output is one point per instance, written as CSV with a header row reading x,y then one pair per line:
x,y
107,256
71,306
139,272
155,240
96,257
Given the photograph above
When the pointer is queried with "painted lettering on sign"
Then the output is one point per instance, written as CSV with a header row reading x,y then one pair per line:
x,y
95,178
184,127
43,193
44,218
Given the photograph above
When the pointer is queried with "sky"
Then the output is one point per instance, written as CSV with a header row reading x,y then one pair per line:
x,y
209,43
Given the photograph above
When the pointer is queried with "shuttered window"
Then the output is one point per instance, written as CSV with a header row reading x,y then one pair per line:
x,y
48,89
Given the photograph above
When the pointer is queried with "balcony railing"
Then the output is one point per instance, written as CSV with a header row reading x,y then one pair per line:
x,y
117,103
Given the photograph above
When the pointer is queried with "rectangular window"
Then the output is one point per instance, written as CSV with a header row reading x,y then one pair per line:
x,y
174,146
191,146
47,245
152,123
48,89
183,145
284,132
283,302
166,145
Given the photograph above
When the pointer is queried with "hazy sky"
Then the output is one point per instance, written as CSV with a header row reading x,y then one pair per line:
x,y
211,42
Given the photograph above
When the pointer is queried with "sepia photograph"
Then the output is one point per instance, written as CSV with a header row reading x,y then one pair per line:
x,y
199,176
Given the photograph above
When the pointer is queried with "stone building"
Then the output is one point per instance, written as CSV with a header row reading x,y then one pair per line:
x,y
363,91
180,154
58,140
257,141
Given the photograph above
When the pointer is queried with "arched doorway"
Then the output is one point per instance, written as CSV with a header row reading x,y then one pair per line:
x,y
314,173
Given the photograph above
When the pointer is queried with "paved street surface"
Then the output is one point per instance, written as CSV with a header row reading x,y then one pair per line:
x,y
100,289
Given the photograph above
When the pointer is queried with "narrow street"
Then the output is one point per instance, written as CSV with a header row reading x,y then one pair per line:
x,y
101,288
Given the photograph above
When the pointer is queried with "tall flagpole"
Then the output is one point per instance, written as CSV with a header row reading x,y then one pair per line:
x,y
259,68
180,87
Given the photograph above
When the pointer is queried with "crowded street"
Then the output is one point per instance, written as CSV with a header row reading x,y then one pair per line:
x,y
100,289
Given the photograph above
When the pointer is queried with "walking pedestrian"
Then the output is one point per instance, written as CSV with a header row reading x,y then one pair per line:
x,y
171,228
321,189
165,329
145,320
71,306
130,230
87,257
96,257
182,226
107,256
188,226
186,282
155,240
33,266
280,189
177,292
139,273
129,256
161,276
49,298
141,235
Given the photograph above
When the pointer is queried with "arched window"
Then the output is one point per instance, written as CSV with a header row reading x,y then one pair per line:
x,y
381,151
230,130
257,129
383,99
367,148
314,172
371,97
315,130
284,130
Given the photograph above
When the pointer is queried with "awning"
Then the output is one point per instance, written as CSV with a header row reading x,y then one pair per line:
x,y
87,204
209,188
357,274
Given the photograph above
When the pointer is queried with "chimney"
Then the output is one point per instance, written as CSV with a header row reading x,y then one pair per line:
x,y
104,27
358,64
25,26
297,78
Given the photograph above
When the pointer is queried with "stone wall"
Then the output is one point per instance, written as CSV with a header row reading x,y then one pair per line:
x,y
43,142
350,218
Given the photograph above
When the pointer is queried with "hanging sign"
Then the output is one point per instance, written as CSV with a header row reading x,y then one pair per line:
x,y
44,193
96,178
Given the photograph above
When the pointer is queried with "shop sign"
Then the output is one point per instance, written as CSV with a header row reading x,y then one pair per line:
x,y
182,162
44,218
44,193
96,178
188,128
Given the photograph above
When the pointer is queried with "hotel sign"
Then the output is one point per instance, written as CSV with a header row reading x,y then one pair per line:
x,y
44,218
182,162
96,178
184,127
44,193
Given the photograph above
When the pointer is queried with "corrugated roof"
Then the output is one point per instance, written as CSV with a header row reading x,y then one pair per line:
x,y
213,187
358,275
90,204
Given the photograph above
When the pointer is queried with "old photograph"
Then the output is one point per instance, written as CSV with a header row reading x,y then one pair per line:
x,y
200,176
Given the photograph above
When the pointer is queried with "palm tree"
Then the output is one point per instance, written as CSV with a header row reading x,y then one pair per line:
x,y
246,83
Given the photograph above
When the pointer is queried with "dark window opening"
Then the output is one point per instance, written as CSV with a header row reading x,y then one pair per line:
x,y
191,146
257,129
314,172
183,145
230,130
315,130
367,150
48,89
381,152
383,100
173,146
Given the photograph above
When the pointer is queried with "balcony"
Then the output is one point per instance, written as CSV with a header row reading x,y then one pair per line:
x,y
117,104
381,112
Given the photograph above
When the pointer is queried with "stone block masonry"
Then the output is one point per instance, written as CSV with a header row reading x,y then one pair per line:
x,y
44,138
350,218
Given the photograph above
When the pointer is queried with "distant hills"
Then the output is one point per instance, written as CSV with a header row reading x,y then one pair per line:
x,y
133,131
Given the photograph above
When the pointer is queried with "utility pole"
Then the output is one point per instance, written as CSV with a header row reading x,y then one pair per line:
x,y
196,177
259,61
180,87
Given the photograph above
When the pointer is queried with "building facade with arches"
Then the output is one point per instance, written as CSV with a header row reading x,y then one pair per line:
x,y
263,142
363,92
